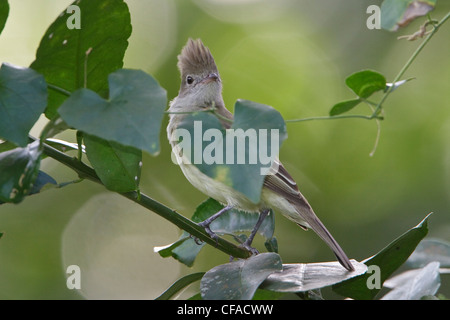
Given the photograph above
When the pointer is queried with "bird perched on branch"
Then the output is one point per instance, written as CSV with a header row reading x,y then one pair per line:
x,y
201,88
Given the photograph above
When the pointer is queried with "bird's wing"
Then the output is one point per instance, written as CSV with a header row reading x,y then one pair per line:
x,y
284,185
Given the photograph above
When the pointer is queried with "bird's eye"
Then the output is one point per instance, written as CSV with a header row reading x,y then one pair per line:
x,y
189,80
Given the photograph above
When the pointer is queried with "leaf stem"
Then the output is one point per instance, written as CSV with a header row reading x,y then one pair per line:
x,y
409,62
59,89
344,116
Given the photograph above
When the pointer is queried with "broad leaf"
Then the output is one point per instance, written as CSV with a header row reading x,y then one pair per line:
x,y
43,180
238,157
387,260
18,171
23,97
4,11
414,284
430,250
303,277
238,280
399,13
344,106
62,54
179,285
365,83
118,166
131,116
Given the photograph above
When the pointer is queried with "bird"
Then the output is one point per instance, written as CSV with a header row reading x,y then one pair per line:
x,y
200,90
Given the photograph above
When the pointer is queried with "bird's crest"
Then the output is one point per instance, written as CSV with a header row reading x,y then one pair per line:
x,y
194,57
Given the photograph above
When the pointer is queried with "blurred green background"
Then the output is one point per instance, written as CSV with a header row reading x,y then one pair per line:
x,y
291,54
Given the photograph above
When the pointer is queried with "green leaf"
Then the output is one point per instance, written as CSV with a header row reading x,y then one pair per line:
x,y
18,171
62,53
179,285
414,284
344,106
238,280
261,294
233,222
387,260
4,11
365,83
42,181
167,251
23,97
430,250
399,13
131,116
6,145
301,277
118,166
235,157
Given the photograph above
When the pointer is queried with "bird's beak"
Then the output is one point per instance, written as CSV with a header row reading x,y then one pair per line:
x,y
210,78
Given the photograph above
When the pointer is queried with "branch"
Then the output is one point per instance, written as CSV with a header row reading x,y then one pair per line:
x,y
145,201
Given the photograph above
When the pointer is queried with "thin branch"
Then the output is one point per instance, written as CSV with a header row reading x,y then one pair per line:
x,y
145,201
409,62
59,89
344,116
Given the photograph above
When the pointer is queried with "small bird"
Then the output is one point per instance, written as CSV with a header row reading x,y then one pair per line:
x,y
201,89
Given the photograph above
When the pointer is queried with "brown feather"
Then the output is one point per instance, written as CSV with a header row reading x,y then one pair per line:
x,y
194,56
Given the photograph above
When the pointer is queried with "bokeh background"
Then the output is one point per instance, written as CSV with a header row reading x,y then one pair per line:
x,y
291,54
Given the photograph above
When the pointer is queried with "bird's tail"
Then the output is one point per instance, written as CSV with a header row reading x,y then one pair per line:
x,y
315,224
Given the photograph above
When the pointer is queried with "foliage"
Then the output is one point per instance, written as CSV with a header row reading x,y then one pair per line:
x,y
77,82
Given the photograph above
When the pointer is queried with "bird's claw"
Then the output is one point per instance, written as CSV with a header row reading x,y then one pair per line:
x,y
249,248
209,231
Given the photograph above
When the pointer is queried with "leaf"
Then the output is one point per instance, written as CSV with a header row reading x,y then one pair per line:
x,y
365,83
261,294
239,157
131,116
414,284
42,181
388,260
23,97
238,280
4,11
179,285
399,13
396,84
6,145
18,171
430,250
310,276
118,166
186,249
344,106
61,56
167,251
